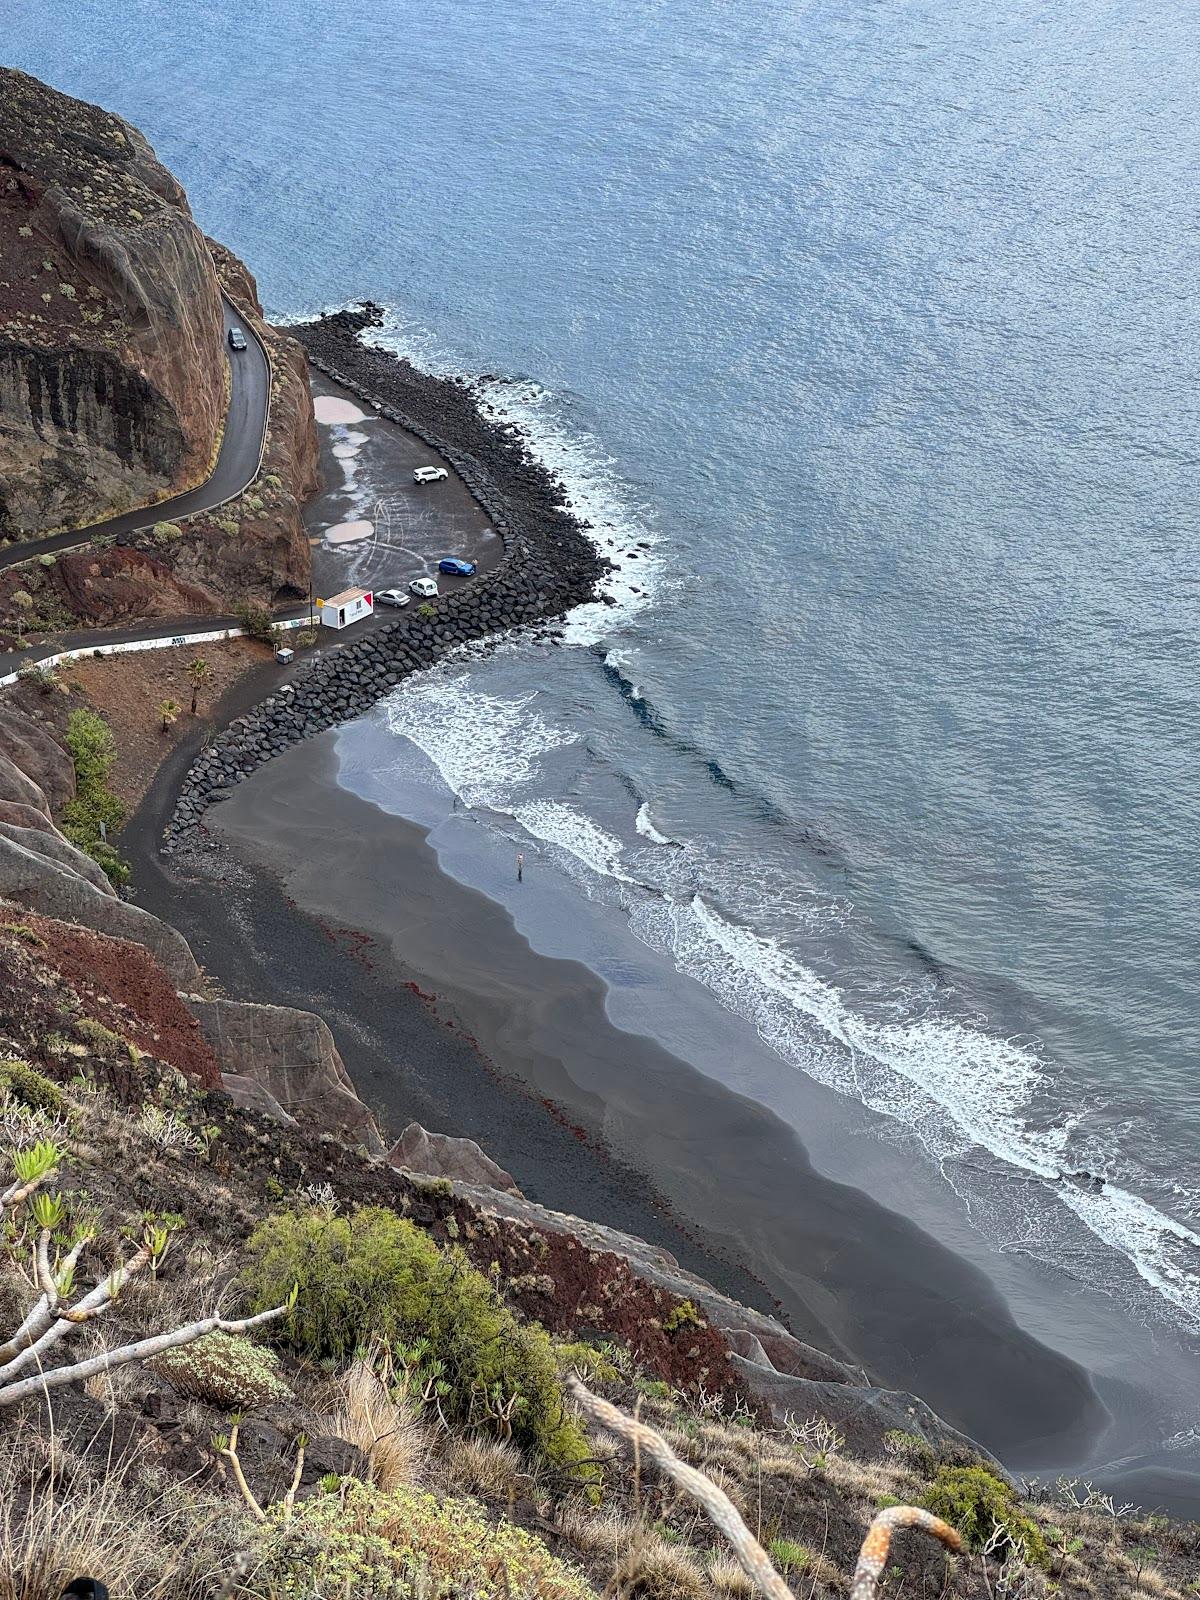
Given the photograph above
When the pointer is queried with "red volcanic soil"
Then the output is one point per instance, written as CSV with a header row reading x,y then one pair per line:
x,y
118,984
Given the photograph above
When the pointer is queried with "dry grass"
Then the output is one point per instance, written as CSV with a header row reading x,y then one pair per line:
x,y
649,1566
385,1430
61,1517
727,1576
871,1480
731,1485
602,1534
485,1466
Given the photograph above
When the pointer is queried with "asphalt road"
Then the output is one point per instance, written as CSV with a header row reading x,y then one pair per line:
x,y
237,463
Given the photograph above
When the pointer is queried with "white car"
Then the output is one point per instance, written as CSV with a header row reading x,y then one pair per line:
x,y
391,597
430,474
425,587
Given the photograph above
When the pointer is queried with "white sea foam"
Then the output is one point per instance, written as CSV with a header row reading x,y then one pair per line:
x,y
619,660
955,1084
960,1088
647,829
486,748
572,831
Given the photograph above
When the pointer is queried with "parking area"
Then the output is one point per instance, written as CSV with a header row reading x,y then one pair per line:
x,y
372,526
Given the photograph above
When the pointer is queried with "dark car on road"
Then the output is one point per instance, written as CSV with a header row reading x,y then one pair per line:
x,y
237,339
456,568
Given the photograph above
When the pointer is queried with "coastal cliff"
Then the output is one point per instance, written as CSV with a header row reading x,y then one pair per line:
x,y
112,359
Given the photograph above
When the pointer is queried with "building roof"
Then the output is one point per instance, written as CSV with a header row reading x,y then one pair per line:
x,y
346,596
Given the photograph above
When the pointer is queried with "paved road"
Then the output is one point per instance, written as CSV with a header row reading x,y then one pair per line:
x,y
237,463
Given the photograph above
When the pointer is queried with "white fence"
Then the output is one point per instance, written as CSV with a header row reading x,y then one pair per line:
x,y
170,642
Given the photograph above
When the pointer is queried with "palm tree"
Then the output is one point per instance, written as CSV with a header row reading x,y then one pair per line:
x,y
168,710
200,673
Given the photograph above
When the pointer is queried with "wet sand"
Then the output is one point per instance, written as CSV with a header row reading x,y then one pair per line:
x,y
849,1274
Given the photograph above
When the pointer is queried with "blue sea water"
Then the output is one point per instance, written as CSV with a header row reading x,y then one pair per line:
x,y
867,337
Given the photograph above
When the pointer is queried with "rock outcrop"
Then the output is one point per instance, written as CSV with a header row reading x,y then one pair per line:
x,y
780,1372
112,363
39,756
45,873
440,1155
292,1057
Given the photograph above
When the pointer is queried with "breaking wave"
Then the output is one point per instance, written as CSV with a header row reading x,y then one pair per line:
x,y
963,1090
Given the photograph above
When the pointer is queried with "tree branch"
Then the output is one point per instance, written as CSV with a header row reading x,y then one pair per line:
x,y
142,1350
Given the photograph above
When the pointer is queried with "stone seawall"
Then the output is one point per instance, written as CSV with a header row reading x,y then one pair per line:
x,y
549,566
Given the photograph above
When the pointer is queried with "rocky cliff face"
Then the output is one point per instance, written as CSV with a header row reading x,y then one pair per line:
x,y
257,546
112,365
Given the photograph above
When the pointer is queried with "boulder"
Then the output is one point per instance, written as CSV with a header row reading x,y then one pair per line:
x,y
48,842
25,816
253,1096
39,755
861,1412
18,789
438,1155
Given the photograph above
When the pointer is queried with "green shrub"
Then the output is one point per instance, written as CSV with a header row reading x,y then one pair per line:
x,y
31,1087
303,637
684,1315
974,1500
587,1360
652,1388
375,1275
425,611
166,533
102,1039
93,750
362,1541
255,621
225,1370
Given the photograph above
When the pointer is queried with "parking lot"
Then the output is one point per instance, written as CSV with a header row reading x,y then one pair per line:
x,y
372,526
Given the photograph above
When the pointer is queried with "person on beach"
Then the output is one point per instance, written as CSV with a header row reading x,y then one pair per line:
x,y
520,867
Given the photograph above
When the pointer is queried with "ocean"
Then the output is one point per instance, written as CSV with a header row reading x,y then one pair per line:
x,y
865,337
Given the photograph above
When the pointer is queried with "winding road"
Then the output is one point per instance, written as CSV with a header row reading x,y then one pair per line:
x,y
236,466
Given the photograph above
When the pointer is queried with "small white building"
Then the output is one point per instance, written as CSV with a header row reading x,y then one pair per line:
x,y
352,605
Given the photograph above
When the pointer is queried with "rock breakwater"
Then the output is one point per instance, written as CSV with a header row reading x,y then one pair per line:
x,y
549,566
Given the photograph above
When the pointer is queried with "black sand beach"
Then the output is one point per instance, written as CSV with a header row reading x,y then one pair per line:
x,y
316,869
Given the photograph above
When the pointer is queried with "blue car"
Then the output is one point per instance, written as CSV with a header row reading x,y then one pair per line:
x,y
456,568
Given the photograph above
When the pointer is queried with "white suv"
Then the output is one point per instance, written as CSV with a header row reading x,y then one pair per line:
x,y
430,474
425,587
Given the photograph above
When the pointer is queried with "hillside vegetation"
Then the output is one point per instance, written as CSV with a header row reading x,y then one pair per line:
x,y
397,1429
